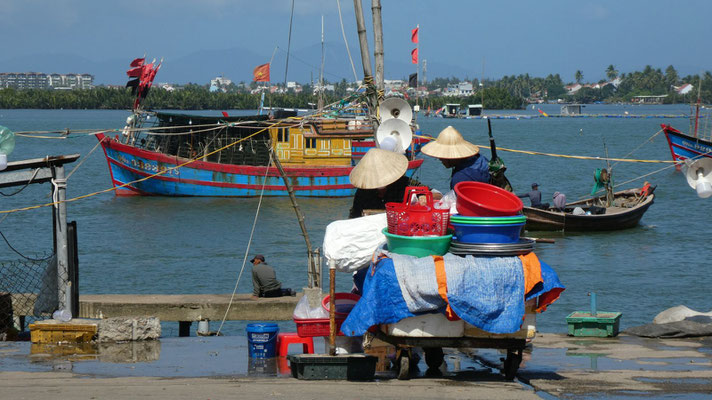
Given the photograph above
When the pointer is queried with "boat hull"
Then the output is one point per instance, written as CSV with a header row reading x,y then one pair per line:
x,y
683,146
131,172
548,220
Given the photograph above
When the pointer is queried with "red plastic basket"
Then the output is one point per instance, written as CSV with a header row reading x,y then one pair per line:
x,y
316,327
407,219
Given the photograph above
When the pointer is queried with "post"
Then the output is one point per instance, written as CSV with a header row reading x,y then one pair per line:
x,y
378,43
593,304
59,189
300,216
332,308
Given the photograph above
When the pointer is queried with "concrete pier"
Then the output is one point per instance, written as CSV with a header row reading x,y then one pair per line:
x,y
186,308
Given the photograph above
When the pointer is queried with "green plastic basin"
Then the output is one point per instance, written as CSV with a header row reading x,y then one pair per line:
x,y
417,246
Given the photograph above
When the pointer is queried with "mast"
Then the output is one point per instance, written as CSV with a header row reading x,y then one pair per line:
x,y
320,101
697,106
289,46
378,43
417,71
371,92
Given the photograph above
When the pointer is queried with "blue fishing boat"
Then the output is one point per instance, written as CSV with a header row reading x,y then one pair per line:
x,y
174,154
684,146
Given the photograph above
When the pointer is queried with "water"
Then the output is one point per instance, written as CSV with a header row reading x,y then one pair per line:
x,y
197,245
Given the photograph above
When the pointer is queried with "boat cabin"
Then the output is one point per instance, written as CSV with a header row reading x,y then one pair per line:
x,y
452,110
571,109
474,110
321,142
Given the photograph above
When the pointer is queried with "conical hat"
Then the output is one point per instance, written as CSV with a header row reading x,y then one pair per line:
x,y
450,144
378,168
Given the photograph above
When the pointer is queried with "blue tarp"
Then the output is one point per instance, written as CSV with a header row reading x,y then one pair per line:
x,y
490,295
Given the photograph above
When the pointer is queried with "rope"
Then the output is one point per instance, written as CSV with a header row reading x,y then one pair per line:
x,y
343,33
20,254
249,242
85,158
190,161
639,146
34,174
538,153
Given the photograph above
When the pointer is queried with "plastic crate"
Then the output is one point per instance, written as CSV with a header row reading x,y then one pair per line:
x,y
316,327
343,366
407,219
51,331
603,324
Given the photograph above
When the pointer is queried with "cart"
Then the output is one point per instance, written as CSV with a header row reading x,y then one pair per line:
x,y
433,332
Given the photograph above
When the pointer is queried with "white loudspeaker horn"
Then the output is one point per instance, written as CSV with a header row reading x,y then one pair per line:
x,y
394,107
699,176
394,135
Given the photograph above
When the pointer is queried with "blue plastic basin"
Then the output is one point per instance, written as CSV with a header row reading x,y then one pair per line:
x,y
500,233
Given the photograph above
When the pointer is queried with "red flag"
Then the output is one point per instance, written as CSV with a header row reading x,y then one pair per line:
x,y
414,35
261,73
135,72
414,56
137,62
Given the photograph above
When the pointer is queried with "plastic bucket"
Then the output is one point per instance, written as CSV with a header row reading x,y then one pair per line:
x,y
477,199
343,303
417,246
502,233
262,340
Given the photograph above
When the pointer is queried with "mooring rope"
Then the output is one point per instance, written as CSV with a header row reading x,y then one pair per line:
x,y
249,243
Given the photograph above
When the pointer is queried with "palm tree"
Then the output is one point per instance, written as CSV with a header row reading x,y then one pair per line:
x,y
578,76
611,72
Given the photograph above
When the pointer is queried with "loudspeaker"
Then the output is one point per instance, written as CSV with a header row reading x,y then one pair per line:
x,y
699,176
394,107
394,135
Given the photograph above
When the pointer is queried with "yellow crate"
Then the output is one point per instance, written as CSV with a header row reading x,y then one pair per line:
x,y
53,332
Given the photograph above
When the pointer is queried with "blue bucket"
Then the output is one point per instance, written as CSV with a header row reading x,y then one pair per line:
x,y
262,340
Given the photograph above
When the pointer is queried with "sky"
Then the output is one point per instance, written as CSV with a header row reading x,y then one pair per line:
x,y
457,37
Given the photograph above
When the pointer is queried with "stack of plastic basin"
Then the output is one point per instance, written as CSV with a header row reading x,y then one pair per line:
x,y
487,214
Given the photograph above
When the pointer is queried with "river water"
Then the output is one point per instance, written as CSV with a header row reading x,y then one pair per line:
x,y
197,245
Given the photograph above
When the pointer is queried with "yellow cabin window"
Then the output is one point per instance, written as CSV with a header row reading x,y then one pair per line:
x,y
283,135
310,143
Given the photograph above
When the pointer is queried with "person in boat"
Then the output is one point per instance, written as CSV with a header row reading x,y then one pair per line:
x,y
379,178
559,201
264,280
463,157
534,197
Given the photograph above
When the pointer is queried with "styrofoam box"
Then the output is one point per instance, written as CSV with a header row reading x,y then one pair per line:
x,y
428,325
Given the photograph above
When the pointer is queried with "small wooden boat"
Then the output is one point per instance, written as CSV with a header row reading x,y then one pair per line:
x,y
627,210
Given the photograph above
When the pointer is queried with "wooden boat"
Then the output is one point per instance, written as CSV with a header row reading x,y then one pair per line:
x,y
684,146
627,210
229,156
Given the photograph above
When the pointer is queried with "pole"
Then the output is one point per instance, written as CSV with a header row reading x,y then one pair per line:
x,y
332,308
320,100
378,43
59,195
289,45
417,72
311,268
372,93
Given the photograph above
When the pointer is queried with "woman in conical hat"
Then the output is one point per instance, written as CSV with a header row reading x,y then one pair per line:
x,y
462,156
379,178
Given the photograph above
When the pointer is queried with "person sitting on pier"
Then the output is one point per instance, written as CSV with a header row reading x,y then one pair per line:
x,y
463,157
535,197
264,280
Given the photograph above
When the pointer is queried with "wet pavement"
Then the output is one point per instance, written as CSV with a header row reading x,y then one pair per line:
x,y
556,366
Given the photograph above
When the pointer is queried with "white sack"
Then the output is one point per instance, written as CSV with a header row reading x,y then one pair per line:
x,y
350,243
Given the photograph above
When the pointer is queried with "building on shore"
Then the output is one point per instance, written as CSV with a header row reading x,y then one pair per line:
x,y
39,80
